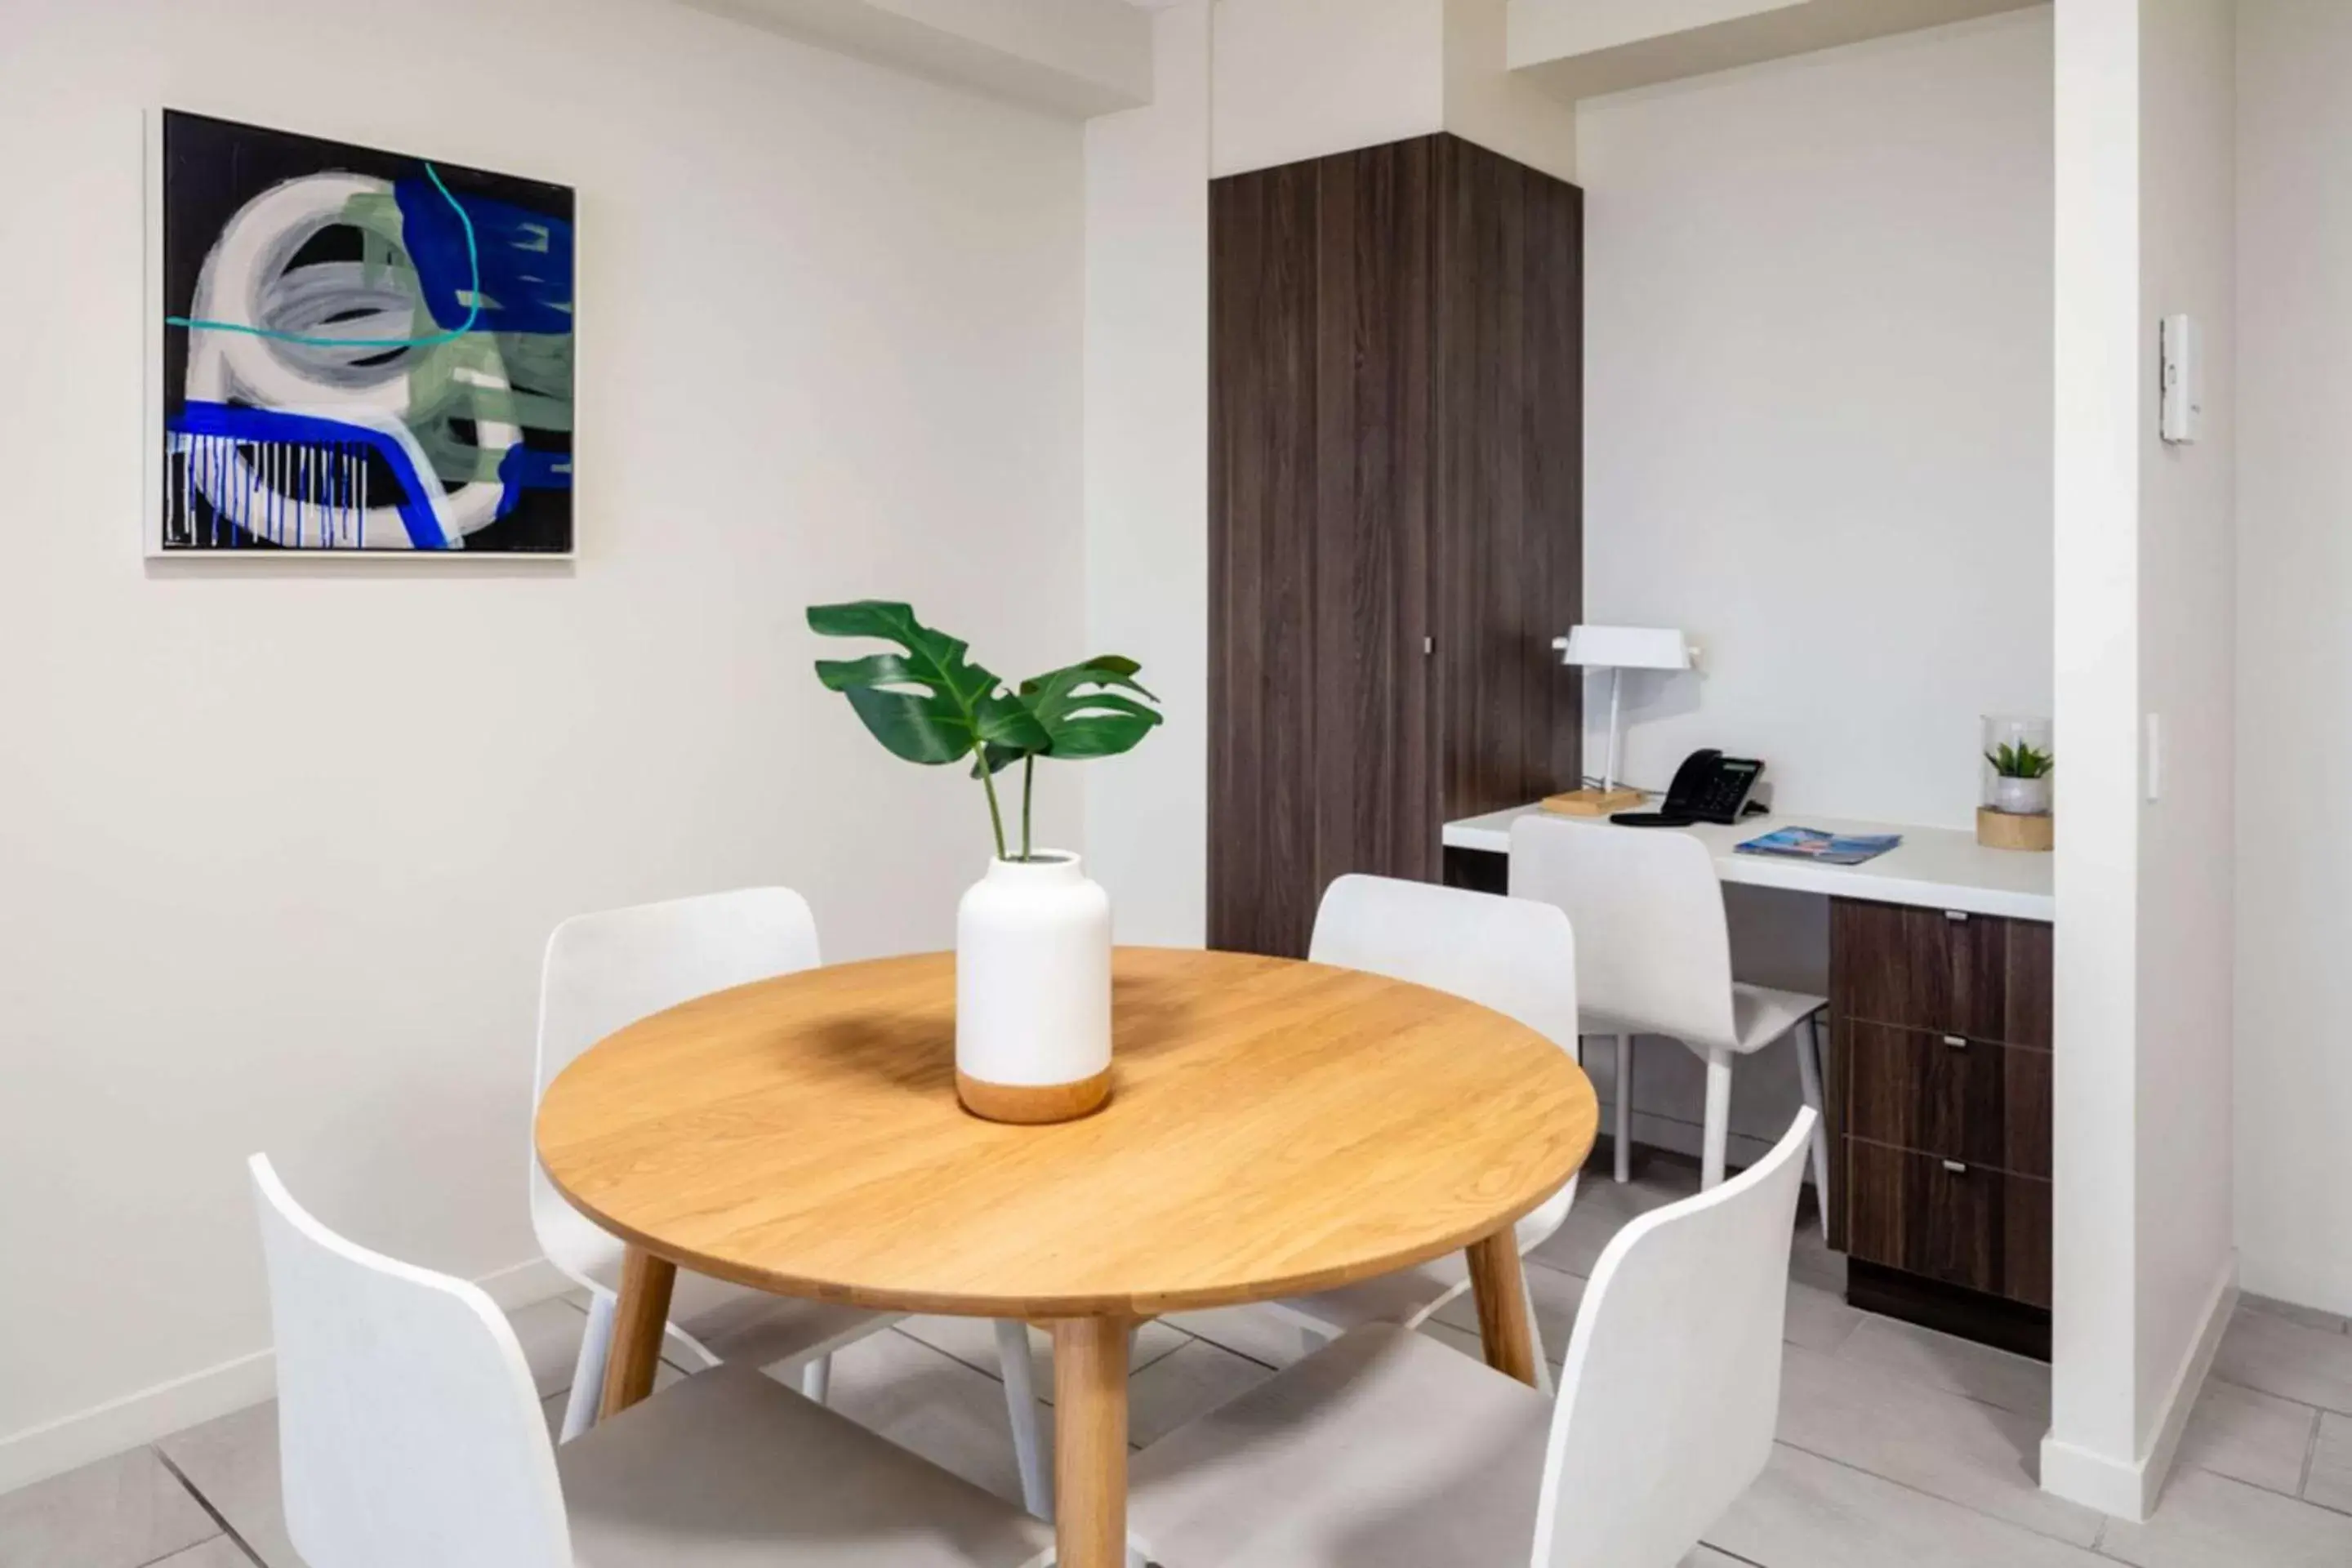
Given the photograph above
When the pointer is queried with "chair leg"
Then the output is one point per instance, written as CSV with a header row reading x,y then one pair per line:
x,y
1032,1449
588,1372
1807,1041
816,1378
1718,1118
1624,1091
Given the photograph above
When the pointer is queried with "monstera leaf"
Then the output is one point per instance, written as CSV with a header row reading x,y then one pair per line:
x,y
930,704
1083,712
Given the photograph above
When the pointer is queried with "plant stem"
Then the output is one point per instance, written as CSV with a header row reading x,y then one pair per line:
x,y
1028,789
995,817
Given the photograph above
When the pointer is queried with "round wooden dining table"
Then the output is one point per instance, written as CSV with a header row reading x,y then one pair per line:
x,y
1274,1127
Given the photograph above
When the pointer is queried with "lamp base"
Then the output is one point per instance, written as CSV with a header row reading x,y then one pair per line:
x,y
1592,802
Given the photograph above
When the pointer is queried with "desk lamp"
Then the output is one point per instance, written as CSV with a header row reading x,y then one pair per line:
x,y
1615,649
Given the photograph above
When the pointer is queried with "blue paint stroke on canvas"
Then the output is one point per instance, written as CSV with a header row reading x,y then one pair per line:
x,y
231,423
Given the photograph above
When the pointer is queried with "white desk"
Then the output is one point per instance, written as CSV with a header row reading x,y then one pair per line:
x,y
1933,867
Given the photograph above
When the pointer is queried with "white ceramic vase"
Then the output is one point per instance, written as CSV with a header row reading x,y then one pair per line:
x,y
2022,797
1033,992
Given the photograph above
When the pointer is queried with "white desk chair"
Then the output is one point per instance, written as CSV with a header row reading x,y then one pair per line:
x,y
1515,956
410,1433
1654,957
605,970
1390,1450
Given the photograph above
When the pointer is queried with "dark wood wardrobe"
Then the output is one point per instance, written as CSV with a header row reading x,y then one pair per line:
x,y
1395,535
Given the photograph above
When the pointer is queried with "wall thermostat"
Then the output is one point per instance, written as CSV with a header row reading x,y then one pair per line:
x,y
2184,381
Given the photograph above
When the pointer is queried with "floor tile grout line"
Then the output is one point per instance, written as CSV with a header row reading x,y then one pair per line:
x,y
1951,1502
2310,1454
206,1503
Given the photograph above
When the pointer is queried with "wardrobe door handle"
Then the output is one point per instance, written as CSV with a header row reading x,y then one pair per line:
x,y
1956,1168
1957,1042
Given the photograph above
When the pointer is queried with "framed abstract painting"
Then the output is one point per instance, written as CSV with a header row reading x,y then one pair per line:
x,y
355,351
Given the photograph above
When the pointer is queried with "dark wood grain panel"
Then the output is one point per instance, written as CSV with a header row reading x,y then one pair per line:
x,y
1395,536
1375,795
1948,1096
2028,1002
1890,963
1263,493
1979,976
1972,1226
1508,477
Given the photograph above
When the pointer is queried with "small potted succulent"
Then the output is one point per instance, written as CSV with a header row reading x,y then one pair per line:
x,y
2015,812
1033,936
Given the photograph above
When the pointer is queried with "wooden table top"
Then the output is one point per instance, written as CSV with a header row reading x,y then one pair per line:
x,y
1274,1127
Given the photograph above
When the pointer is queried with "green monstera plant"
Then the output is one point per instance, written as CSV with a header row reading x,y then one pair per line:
x,y
930,704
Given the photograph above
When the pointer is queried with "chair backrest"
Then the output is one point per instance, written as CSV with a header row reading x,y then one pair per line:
x,y
409,1429
1517,957
1510,954
605,970
1672,1385
1653,949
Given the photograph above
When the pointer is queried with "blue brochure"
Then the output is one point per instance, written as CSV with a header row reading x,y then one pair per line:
x,y
1812,844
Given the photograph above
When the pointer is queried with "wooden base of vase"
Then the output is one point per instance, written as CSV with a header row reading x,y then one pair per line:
x,y
2005,830
1033,1104
1592,802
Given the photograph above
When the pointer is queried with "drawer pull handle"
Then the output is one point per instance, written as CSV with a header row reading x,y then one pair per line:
x,y
1957,1042
1956,914
1956,1167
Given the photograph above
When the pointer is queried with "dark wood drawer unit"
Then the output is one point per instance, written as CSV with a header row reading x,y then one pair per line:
x,y
1940,1097
1977,976
1948,1096
1944,1219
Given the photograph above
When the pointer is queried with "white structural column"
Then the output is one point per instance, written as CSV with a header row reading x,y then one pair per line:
x,y
2145,1267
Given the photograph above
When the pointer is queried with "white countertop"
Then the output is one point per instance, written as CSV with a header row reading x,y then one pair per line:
x,y
1934,867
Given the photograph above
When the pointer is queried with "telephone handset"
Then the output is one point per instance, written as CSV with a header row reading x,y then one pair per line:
x,y
1708,787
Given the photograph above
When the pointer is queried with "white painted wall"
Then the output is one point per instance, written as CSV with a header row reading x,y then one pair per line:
x,y
1147,480
1071,56
1303,78
1490,104
2294,649
1817,381
1544,31
2145,1273
1817,436
278,849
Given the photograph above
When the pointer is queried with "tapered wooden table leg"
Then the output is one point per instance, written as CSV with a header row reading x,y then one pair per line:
x,y
637,1327
1502,1297
1090,1363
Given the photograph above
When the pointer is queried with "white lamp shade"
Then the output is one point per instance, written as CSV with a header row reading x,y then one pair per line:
x,y
1624,648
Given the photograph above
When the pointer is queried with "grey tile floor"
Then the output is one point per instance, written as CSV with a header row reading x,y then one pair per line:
x,y
1897,1446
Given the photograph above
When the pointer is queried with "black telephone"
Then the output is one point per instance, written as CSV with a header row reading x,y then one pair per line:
x,y
1708,787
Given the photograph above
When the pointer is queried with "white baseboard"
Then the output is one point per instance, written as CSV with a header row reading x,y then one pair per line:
x,y
72,1441
2129,1488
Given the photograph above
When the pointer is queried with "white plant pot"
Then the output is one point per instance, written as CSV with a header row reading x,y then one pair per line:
x,y
1033,992
2022,797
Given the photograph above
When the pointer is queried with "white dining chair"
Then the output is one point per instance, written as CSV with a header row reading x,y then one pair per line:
x,y
607,970
1654,957
1512,955
1390,1450
410,1433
